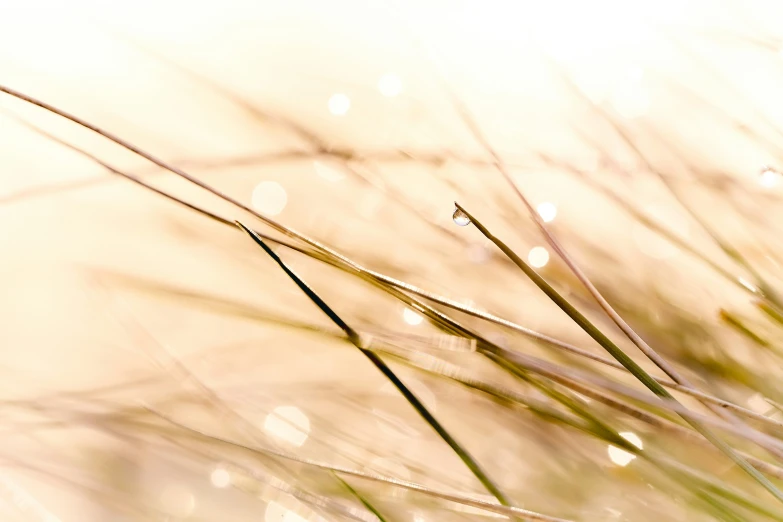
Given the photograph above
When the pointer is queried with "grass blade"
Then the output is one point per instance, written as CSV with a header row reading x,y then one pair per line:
x,y
500,509
339,261
623,358
355,338
361,499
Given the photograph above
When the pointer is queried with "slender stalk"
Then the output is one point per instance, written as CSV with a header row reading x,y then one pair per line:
x,y
704,397
737,324
503,359
356,340
582,277
576,270
182,373
568,377
361,498
413,289
174,170
344,263
412,486
336,258
653,225
734,254
621,357
773,312
436,366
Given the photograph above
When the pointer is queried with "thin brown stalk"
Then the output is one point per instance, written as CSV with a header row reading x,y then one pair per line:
x,y
625,360
440,367
354,266
417,291
412,486
203,185
185,376
356,340
570,262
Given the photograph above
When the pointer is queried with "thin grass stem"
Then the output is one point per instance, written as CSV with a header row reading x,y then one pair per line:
x,y
621,357
352,266
356,340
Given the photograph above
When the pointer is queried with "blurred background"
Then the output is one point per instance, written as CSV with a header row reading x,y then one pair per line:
x,y
140,339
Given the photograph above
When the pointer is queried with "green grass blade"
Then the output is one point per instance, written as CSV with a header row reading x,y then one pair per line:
x,y
355,338
359,497
621,357
353,267
500,509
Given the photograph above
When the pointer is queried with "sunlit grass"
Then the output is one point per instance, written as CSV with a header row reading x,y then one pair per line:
x,y
481,399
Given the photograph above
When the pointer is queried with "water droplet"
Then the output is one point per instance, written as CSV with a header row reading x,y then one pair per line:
x,y
460,218
620,456
747,284
768,177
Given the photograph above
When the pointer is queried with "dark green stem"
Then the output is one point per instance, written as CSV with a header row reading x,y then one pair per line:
x,y
354,337
621,357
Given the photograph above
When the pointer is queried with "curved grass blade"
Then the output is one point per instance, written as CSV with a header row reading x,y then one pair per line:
x,y
500,509
361,499
354,267
554,242
734,322
704,397
773,312
439,367
733,254
621,357
180,173
181,372
356,340
685,476
335,257
396,345
318,502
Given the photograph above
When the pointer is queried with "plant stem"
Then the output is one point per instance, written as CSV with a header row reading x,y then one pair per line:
x,y
621,357
355,339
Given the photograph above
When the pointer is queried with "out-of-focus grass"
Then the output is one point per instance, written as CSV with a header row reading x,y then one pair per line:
x,y
161,368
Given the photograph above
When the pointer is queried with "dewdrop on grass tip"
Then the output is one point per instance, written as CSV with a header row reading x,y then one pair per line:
x,y
460,218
